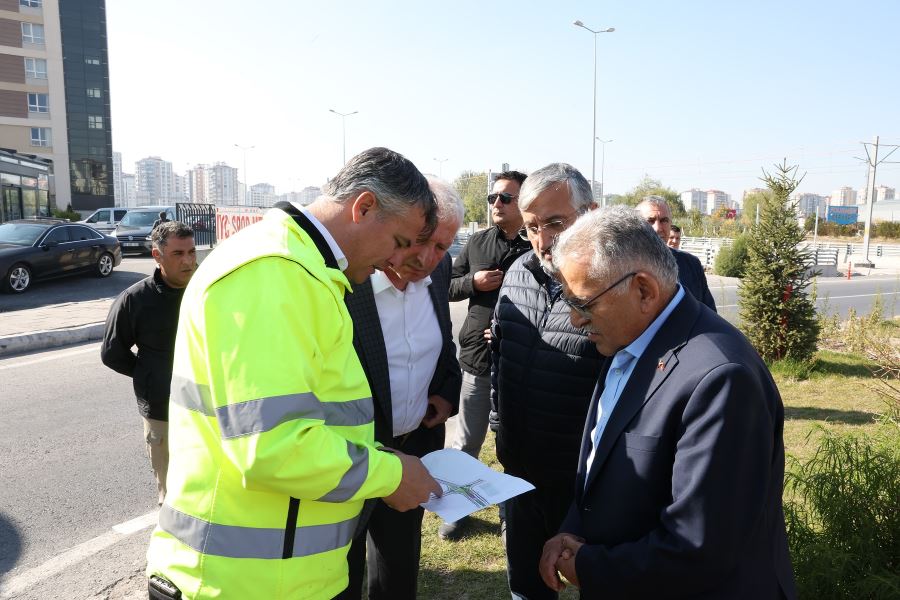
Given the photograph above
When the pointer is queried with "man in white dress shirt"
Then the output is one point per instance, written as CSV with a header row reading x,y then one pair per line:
x,y
402,334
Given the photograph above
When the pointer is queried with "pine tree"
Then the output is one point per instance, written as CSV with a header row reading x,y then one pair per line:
x,y
777,314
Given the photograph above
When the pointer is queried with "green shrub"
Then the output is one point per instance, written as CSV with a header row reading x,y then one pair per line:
x,y
843,517
69,214
730,260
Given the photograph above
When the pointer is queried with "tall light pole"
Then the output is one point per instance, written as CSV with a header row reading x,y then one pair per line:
x,y
343,117
440,162
247,179
602,165
594,134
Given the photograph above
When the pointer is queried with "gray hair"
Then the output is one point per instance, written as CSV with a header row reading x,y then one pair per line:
x,y
392,178
446,199
653,200
616,241
160,236
554,173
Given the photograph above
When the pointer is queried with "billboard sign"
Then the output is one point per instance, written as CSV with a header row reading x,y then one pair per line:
x,y
231,219
843,215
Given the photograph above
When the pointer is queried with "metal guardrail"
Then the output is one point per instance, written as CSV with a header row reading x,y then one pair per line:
x,y
201,218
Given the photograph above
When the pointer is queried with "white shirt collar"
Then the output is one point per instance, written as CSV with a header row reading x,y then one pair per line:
x,y
332,243
380,283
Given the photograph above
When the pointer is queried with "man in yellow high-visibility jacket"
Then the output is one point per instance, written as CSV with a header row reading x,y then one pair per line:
x,y
270,419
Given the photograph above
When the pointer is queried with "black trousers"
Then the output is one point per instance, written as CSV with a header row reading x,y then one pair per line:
x,y
391,545
532,519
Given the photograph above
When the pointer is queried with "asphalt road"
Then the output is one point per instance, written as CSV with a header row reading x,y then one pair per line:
x,y
79,288
72,465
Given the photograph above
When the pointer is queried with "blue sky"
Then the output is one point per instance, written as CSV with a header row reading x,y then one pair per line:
x,y
695,93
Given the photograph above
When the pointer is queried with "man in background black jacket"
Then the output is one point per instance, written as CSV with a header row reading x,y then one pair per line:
x,y
543,374
655,210
476,277
146,315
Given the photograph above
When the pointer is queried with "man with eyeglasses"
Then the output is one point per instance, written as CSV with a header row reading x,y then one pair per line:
x,y
679,485
543,372
476,277
655,210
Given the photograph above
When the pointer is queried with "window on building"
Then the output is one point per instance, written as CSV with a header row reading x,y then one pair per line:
x,y
38,103
91,60
95,122
35,68
94,93
31,3
32,33
40,136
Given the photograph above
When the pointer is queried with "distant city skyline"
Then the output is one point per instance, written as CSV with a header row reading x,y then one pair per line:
x,y
699,95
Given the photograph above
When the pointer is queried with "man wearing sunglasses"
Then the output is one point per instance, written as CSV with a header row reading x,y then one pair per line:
x,y
476,277
655,211
679,485
543,373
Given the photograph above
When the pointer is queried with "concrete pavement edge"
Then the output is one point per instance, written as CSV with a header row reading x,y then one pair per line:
x,y
50,338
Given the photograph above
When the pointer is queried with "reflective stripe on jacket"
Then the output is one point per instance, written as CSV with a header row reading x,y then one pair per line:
x,y
270,425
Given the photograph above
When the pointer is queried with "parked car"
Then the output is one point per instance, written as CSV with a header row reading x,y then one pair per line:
x,y
135,227
105,220
34,249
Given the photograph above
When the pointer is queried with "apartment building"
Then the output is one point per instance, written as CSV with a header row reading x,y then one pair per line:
x,y
54,95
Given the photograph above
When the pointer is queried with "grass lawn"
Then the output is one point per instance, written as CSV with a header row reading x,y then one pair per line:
x,y
836,395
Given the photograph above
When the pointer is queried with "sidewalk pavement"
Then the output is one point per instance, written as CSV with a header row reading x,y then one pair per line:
x,y
58,325
52,326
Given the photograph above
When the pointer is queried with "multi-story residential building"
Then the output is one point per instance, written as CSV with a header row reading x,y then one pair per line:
x,y
129,193
884,193
694,199
54,94
808,204
845,196
198,184
262,194
182,194
118,193
222,185
154,181
716,199
309,194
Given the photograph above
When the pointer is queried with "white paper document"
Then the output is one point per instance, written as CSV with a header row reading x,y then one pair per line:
x,y
468,484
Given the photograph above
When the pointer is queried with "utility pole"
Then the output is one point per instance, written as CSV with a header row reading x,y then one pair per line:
x,y
873,162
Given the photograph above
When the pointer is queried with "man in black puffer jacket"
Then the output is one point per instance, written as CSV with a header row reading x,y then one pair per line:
x,y
542,376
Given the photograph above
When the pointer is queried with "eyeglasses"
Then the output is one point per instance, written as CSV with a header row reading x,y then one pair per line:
x,y
502,196
582,309
554,228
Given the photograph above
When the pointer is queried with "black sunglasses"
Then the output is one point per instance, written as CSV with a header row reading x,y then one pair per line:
x,y
503,196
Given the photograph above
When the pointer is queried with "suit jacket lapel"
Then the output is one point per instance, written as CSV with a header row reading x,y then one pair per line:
x,y
368,339
659,360
586,442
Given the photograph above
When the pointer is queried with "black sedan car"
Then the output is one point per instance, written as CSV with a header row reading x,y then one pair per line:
x,y
34,249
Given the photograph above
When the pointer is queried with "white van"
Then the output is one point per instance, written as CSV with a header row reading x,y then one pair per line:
x,y
105,220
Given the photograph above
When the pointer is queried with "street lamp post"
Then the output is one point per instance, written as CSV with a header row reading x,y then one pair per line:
x,y
244,149
594,133
343,117
602,167
440,162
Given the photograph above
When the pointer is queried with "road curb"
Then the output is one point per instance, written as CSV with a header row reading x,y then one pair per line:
x,y
50,338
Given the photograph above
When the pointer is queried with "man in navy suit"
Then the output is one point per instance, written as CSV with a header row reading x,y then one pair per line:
x,y
679,484
690,272
402,334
